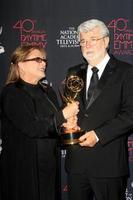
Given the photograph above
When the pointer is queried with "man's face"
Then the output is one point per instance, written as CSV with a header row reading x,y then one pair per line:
x,y
93,46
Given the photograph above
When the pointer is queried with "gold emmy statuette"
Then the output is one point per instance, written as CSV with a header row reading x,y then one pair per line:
x,y
72,87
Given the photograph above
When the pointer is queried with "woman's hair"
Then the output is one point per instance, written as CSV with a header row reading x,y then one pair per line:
x,y
19,55
90,25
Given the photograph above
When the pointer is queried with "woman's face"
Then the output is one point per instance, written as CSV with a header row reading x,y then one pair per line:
x,y
33,68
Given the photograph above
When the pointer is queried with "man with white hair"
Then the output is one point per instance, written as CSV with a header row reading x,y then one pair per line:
x,y
98,165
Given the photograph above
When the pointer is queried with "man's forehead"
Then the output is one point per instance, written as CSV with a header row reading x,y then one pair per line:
x,y
93,32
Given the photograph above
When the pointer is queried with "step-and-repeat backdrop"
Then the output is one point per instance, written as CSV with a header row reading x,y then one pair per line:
x,y
52,24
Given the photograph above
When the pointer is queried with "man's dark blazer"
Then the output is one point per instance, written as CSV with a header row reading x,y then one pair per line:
x,y
110,114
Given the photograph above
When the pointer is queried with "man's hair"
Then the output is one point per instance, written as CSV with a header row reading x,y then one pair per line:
x,y
90,25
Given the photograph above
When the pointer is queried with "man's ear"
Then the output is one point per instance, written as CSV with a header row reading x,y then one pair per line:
x,y
106,39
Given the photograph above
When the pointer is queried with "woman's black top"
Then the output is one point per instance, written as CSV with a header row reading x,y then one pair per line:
x,y
30,123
